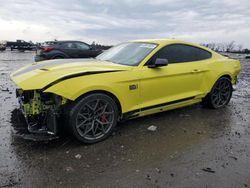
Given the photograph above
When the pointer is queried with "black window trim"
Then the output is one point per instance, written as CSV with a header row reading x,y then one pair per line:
x,y
146,64
156,45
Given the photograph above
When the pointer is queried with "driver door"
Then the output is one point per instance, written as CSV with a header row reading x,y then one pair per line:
x,y
179,81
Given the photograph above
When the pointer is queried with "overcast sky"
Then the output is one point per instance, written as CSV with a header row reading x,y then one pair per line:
x,y
113,21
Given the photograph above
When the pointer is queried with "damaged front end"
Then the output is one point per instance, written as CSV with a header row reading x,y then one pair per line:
x,y
42,112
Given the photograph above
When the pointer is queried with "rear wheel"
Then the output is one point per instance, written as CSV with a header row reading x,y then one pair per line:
x,y
220,94
93,118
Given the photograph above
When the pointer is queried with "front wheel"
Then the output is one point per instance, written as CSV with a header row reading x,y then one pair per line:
x,y
220,94
93,118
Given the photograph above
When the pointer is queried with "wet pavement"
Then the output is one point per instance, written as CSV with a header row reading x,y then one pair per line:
x,y
191,147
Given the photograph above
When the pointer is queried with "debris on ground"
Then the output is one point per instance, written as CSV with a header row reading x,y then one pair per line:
x,y
148,177
7,90
69,169
233,157
184,130
100,171
158,170
208,170
200,132
237,133
152,128
78,156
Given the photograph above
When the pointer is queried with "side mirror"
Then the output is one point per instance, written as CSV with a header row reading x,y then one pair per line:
x,y
159,62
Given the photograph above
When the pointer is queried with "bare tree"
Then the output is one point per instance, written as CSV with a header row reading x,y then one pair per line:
x,y
218,47
230,46
224,47
239,47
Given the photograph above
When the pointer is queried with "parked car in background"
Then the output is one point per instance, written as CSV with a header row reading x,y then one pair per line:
x,y
2,46
20,45
65,49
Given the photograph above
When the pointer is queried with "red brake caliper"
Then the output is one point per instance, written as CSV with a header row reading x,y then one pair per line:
x,y
103,119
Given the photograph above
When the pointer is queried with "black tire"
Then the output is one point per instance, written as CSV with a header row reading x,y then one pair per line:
x,y
220,94
93,118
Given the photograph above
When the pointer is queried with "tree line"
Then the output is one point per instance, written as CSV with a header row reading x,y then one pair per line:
x,y
232,47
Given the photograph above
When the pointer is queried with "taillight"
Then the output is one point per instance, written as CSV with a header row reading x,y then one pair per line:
x,y
47,49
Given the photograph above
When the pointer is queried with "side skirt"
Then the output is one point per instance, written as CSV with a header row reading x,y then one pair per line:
x,y
160,107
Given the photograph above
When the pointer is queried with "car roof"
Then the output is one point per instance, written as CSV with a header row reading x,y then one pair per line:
x,y
157,40
62,41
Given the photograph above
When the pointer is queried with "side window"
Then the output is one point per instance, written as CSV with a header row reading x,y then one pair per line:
x,y
69,45
178,53
82,46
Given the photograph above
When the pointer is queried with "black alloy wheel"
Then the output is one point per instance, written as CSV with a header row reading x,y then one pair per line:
x,y
220,94
93,118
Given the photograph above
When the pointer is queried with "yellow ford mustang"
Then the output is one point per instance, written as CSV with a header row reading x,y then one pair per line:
x,y
130,80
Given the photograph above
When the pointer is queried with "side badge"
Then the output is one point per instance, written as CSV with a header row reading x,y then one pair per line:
x,y
133,87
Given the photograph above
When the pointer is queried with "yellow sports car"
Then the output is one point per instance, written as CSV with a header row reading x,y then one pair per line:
x,y
130,80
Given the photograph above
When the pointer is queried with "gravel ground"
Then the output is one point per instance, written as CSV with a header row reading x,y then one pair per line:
x,y
191,147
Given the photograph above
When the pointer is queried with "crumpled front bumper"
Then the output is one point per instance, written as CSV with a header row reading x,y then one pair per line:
x,y
39,125
21,130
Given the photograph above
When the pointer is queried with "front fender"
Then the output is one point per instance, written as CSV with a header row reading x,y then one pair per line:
x,y
66,91
72,89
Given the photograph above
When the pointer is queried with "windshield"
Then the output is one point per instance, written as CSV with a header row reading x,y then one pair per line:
x,y
131,53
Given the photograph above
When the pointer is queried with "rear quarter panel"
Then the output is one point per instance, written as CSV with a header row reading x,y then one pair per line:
x,y
218,67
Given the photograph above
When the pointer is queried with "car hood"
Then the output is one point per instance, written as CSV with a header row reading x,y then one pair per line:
x,y
38,75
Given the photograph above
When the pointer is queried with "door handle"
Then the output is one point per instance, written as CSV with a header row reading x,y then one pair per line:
x,y
195,71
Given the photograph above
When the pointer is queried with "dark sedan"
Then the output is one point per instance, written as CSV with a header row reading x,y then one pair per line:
x,y
65,49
